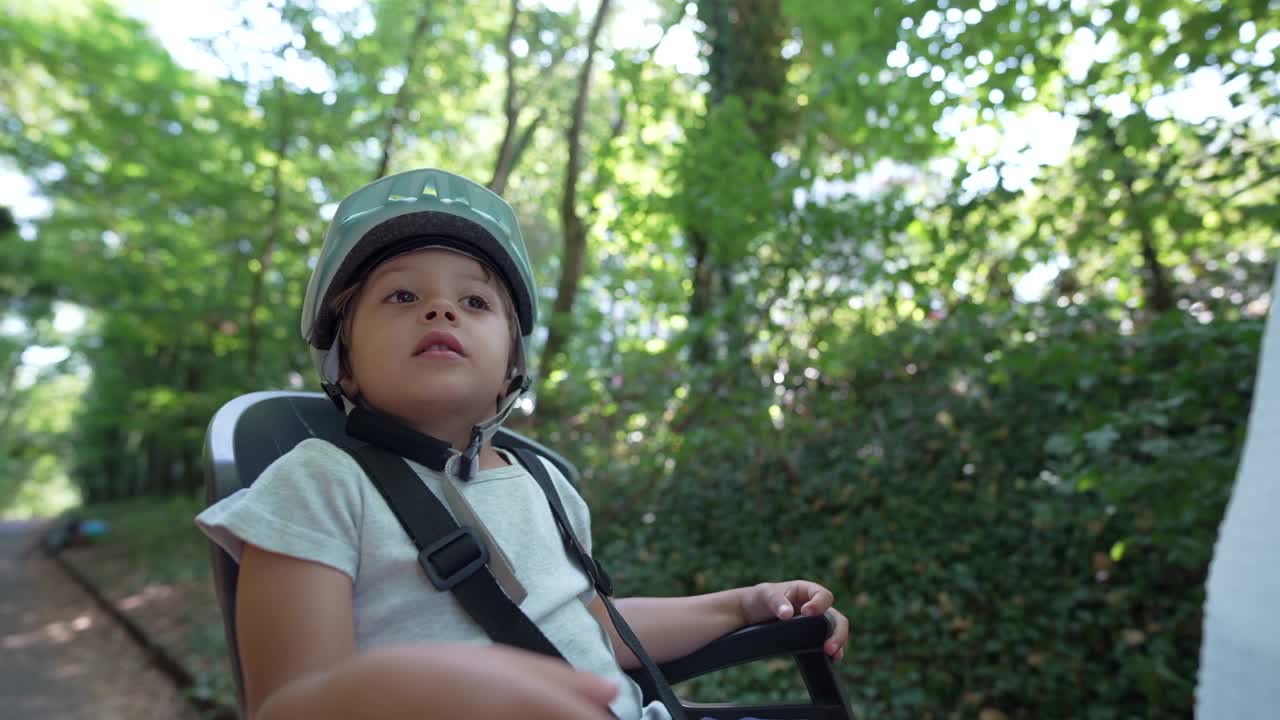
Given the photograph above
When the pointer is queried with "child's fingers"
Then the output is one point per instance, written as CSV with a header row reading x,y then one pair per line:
x,y
819,600
839,635
783,599
782,607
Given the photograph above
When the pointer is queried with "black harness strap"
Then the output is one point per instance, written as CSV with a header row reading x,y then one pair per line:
x,y
452,556
600,579
455,559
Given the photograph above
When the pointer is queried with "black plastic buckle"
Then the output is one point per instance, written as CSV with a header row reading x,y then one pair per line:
x,y
462,534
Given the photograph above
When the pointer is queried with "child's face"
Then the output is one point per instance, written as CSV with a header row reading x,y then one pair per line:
x,y
403,304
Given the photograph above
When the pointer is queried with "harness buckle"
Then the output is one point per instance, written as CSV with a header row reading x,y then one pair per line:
x,y
472,548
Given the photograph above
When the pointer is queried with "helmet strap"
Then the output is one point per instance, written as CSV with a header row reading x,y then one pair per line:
x,y
331,377
481,434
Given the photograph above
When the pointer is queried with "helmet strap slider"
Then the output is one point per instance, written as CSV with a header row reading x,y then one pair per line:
x,y
519,384
334,391
467,463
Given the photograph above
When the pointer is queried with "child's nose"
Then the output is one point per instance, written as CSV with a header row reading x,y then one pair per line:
x,y
438,308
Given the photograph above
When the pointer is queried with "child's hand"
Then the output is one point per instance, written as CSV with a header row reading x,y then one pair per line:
x,y
506,682
778,601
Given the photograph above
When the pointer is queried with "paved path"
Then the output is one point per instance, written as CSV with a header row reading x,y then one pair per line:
x,y
60,655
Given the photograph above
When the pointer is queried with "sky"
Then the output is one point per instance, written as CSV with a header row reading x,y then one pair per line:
x,y
1022,142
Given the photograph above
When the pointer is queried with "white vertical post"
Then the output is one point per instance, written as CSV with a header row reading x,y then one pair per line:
x,y
1240,654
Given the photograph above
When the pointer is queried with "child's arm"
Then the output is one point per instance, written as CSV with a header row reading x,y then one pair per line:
x,y
445,682
293,618
670,628
298,654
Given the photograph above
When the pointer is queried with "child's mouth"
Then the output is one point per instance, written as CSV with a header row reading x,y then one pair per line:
x,y
438,344
438,351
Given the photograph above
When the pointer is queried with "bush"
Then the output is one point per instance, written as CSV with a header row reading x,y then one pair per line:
x,y
1016,512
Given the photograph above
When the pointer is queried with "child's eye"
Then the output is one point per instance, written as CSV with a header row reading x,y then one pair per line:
x,y
476,302
401,296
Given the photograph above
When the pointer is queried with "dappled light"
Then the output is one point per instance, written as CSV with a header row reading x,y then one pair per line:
x,y
63,655
955,306
149,594
56,632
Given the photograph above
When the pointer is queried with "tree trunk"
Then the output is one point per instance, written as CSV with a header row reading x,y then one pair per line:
x,y
515,139
7,413
746,62
396,117
268,250
506,151
701,348
507,164
1158,291
1159,295
574,228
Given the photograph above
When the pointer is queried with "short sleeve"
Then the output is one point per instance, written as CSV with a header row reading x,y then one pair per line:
x,y
308,504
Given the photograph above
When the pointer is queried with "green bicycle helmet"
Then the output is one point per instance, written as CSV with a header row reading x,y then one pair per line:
x,y
417,208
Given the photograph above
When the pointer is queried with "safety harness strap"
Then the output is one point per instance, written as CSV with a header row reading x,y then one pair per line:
x,y
600,579
452,556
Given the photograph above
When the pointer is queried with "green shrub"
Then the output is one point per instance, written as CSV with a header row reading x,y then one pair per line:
x,y
1016,512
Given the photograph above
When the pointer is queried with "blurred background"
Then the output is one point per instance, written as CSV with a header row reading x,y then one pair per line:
x,y
954,306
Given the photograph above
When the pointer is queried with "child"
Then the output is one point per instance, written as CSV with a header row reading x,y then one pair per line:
x,y
418,314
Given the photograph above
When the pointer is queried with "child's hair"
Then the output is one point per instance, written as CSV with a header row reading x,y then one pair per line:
x,y
344,302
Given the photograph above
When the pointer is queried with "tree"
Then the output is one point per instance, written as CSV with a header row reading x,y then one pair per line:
x,y
816,281
573,227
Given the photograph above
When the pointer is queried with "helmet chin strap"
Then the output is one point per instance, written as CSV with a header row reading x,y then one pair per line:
x,y
329,374
482,433
334,392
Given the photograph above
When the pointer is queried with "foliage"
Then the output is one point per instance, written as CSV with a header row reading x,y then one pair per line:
x,y
988,380
33,475
1012,523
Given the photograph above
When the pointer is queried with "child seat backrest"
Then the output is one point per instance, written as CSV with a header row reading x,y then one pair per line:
x,y
250,432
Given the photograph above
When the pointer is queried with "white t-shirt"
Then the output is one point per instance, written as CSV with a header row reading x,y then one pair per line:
x,y
315,503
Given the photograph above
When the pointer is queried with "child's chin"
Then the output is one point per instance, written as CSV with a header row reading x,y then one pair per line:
x,y
432,405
